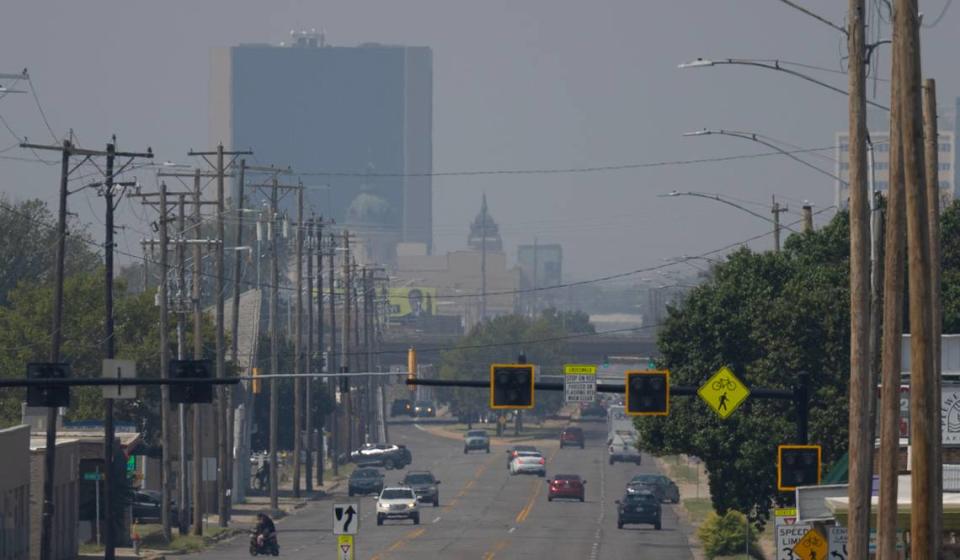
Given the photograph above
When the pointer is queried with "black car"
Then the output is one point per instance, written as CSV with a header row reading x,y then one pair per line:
x,y
424,485
401,407
384,455
638,507
665,489
145,507
365,481
593,411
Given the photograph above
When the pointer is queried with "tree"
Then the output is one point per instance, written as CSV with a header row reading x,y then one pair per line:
x,y
950,263
28,245
768,316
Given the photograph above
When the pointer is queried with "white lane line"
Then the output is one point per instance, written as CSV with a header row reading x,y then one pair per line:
x,y
512,529
598,534
435,520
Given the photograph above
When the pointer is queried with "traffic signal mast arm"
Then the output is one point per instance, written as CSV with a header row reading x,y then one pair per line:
x,y
680,390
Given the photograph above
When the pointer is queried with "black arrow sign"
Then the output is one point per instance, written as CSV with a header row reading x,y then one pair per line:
x,y
350,513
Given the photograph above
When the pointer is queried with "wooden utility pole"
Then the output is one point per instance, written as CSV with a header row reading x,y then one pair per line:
x,y
776,210
321,347
932,162
895,238
346,348
807,218
183,511
861,444
198,409
298,351
334,361
165,443
274,346
240,470
308,396
922,383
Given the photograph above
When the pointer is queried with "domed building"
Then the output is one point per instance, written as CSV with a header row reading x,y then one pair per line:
x,y
369,216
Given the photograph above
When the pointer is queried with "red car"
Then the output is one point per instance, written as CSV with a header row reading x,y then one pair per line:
x,y
571,436
566,486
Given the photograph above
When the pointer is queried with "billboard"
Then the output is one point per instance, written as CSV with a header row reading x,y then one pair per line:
x,y
412,302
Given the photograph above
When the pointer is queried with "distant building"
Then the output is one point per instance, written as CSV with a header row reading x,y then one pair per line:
x,y
15,493
541,266
64,536
339,110
881,166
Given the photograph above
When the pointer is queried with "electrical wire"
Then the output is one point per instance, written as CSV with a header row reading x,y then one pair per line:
x,y
43,115
946,8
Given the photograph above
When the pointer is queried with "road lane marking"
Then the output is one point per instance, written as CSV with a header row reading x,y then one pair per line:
x,y
512,529
497,548
435,520
538,485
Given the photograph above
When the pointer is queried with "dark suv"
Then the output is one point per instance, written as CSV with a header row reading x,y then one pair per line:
x,y
365,481
571,436
401,407
664,488
639,507
424,485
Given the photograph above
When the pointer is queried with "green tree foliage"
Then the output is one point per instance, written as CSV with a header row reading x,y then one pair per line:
x,y
28,245
727,535
950,262
501,340
768,316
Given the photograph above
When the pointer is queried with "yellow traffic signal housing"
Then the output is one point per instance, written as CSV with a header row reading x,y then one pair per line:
x,y
647,392
255,386
798,465
511,386
412,367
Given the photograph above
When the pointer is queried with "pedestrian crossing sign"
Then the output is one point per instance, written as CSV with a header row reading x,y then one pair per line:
x,y
723,392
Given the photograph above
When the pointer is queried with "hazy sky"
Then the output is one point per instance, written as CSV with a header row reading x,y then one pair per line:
x,y
517,84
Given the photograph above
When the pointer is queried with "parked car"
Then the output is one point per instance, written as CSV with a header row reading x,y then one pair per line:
x,y
145,507
476,439
424,485
512,452
566,486
571,436
401,407
365,481
638,507
667,490
397,503
386,455
529,462
424,409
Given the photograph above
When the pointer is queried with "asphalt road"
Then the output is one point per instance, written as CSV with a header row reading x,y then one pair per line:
x,y
486,513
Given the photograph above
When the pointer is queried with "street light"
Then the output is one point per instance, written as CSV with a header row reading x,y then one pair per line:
x,y
724,200
769,64
766,141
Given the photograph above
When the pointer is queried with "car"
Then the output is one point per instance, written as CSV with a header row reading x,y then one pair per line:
x,y
593,411
529,462
512,452
566,486
386,455
476,439
646,487
638,507
365,481
145,507
397,502
401,407
424,409
571,436
622,448
666,489
424,485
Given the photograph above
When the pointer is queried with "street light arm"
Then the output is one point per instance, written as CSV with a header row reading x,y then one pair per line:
x,y
718,198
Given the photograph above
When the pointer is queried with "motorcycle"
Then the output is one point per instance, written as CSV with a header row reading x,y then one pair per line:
x,y
269,547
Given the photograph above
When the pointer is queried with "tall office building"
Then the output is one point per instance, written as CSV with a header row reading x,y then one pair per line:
x,y
881,166
361,117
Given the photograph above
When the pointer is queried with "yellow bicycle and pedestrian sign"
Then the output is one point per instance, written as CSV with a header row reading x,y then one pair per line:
x,y
723,392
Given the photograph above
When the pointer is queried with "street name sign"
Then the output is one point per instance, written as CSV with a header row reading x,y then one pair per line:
x,y
119,369
723,392
579,383
346,519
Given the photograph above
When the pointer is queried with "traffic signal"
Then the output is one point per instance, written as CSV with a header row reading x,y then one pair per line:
x,y
191,393
51,396
648,393
511,386
797,465
255,386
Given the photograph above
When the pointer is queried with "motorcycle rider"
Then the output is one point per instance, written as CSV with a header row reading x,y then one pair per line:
x,y
265,529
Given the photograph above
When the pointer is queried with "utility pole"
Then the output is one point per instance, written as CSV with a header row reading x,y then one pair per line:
x,y
198,409
308,397
776,210
274,345
893,282
861,443
298,351
184,500
239,474
922,383
345,346
807,217
320,339
222,405
932,162
164,370
334,360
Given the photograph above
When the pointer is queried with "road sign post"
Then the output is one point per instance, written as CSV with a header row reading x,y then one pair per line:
x,y
346,518
579,383
119,369
345,550
723,392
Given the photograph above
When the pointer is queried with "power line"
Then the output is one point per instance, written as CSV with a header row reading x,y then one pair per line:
x,y
43,115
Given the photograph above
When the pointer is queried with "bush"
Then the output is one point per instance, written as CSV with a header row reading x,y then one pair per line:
x,y
724,535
